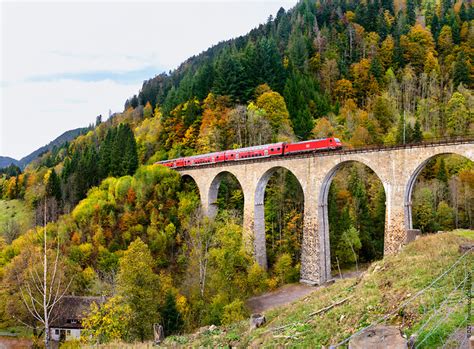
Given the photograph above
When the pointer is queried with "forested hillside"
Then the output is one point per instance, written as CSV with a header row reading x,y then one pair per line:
x,y
376,72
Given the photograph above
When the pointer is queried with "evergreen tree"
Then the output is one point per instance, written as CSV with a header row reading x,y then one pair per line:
x,y
53,186
376,68
411,12
435,26
228,77
461,72
463,15
130,155
417,133
105,153
170,316
298,50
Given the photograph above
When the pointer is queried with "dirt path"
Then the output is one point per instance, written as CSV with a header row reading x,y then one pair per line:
x,y
284,295
287,294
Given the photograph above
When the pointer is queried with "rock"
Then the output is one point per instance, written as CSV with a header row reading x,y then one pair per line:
x,y
466,247
257,320
212,327
412,341
159,334
202,330
379,337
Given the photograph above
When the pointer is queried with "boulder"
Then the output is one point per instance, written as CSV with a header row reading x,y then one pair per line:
x,y
466,247
257,320
379,337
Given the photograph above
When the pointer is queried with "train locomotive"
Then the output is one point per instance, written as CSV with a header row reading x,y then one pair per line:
x,y
255,152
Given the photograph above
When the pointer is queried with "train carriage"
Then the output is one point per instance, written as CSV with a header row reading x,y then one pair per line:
x,y
255,152
313,145
259,151
205,159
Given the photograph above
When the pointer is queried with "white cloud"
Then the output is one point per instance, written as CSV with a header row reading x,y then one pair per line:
x,y
42,111
43,43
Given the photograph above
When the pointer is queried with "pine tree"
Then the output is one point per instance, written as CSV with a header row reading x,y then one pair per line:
x,y
53,186
376,68
461,72
170,316
435,26
417,133
228,77
463,15
411,12
130,155
105,153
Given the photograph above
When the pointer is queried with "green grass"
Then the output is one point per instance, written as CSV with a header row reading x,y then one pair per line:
x,y
16,331
465,233
17,211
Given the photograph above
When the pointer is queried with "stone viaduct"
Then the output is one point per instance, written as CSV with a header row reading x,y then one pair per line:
x,y
396,167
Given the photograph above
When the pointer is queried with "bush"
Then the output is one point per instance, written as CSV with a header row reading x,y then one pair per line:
x,y
233,312
283,266
73,344
256,278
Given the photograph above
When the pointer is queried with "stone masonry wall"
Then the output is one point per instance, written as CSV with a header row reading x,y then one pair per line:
x,y
396,168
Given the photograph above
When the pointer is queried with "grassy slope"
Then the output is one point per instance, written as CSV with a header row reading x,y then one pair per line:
x,y
16,210
386,284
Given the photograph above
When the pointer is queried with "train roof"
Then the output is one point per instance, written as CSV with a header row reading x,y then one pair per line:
x,y
257,147
312,140
204,155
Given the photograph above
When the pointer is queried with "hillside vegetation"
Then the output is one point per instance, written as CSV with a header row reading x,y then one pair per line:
x,y
15,217
379,291
133,230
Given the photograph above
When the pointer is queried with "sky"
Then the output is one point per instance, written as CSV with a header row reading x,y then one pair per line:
x,y
64,63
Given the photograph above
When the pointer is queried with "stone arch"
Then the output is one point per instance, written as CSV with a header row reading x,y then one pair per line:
x,y
213,191
411,183
189,177
323,219
259,214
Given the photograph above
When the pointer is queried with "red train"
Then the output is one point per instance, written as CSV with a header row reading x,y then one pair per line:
x,y
259,151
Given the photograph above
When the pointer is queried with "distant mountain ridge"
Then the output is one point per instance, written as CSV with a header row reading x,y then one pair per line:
x,y
63,138
6,161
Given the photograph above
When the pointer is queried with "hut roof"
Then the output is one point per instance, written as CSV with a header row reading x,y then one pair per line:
x,y
70,311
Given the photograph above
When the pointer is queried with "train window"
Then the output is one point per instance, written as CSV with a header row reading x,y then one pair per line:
x,y
278,148
271,149
330,140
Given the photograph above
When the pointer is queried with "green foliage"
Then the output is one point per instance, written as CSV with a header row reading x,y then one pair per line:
x,y
348,246
171,318
107,322
445,216
461,73
283,268
423,213
234,312
138,285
